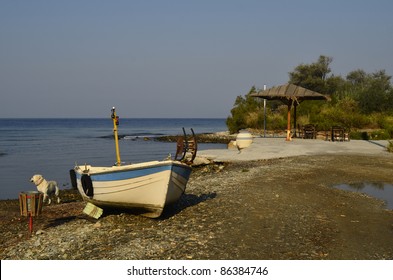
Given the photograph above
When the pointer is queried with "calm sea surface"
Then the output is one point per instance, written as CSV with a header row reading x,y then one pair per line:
x,y
382,191
52,147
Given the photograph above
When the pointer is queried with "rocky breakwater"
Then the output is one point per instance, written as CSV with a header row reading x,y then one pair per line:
x,y
217,137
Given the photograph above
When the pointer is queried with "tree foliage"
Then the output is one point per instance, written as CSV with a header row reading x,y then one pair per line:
x,y
245,112
312,76
375,94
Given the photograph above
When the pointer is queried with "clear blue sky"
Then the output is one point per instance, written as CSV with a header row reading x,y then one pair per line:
x,y
153,58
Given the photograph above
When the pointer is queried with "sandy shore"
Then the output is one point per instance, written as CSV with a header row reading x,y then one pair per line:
x,y
275,208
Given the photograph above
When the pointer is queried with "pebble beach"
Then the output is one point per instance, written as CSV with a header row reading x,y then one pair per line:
x,y
280,207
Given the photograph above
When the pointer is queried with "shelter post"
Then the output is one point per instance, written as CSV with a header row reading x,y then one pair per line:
x,y
294,119
289,122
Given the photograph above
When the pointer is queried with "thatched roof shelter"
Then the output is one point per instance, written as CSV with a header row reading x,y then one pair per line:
x,y
291,95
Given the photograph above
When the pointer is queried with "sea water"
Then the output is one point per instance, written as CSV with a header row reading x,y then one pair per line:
x,y
52,147
383,191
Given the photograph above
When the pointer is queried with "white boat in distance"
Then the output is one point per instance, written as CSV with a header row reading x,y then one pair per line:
x,y
144,187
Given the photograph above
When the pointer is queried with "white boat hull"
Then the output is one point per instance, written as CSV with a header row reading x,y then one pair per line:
x,y
145,187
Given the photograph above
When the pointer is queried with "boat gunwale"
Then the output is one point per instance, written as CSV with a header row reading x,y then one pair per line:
x,y
125,168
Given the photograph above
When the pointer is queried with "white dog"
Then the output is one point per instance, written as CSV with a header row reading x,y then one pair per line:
x,y
48,188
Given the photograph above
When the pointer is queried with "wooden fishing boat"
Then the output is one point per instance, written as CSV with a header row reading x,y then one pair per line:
x,y
144,187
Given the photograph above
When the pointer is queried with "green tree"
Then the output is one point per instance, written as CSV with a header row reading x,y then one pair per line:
x,y
245,112
375,93
357,78
313,76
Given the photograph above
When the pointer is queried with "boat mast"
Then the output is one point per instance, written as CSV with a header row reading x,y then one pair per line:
x,y
115,124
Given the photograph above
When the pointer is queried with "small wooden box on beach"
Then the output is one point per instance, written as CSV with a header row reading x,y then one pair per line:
x,y
30,203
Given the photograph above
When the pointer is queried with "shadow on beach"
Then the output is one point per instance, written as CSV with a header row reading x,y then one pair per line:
x,y
187,200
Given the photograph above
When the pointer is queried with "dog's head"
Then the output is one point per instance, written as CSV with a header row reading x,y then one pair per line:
x,y
37,179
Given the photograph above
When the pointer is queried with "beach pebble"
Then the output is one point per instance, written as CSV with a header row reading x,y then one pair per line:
x,y
37,243
97,225
39,232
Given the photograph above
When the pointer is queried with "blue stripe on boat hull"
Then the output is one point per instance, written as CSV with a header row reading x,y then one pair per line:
x,y
182,171
129,174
